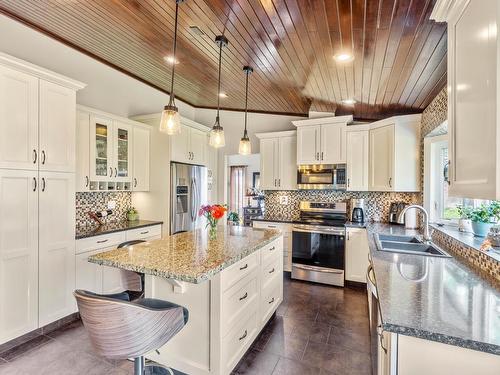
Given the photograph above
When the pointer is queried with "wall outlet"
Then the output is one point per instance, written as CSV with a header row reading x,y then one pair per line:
x,y
111,205
284,199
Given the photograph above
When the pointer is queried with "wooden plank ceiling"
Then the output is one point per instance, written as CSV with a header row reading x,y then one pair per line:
x,y
399,54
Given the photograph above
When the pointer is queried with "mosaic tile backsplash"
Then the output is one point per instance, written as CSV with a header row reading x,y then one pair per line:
x,y
377,204
98,201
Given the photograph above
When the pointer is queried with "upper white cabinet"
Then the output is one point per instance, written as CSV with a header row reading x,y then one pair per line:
x,y
394,154
190,145
113,153
473,101
322,141
278,161
357,158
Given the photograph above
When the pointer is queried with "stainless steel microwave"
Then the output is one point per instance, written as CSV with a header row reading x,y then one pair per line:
x,y
321,177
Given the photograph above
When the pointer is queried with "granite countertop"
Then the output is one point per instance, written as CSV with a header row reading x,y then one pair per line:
x,y
433,298
189,256
120,226
349,224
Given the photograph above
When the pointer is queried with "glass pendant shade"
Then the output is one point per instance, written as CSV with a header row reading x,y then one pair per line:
x,y
170,122
245,147
217,137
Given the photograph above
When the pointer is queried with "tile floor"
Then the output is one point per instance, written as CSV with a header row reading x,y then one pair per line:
x,y
317,330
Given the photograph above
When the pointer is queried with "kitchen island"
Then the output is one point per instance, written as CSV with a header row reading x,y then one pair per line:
x,y
231,286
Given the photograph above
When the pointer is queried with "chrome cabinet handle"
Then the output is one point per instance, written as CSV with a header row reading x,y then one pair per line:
x,y
43,157
244,335
43,184
317,156
244,267
116,172
271,301
87,181
135,182
145,232
271,226
35,156
272,248
279,182
390,182
321,155
102,241
34,183
244,296
348,182
271,271
110,172
348,236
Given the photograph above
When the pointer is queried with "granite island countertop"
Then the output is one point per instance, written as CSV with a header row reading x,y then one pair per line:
x,y
448,302
112,227
189,256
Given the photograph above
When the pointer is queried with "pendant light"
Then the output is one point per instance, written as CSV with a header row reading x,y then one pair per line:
x,y
245,147
170,122
217,133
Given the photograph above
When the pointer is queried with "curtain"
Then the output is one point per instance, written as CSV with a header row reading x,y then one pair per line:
x,y
237,188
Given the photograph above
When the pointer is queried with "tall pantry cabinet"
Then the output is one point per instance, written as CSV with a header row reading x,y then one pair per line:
x,y
37,196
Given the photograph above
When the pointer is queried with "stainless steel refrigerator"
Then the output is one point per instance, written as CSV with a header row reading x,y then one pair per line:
x,y
188,191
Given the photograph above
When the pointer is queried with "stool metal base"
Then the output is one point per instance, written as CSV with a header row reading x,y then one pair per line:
x,y
143,367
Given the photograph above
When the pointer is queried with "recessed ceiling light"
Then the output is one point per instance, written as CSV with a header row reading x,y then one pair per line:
x,y
223,95
349,101
171,60
343,57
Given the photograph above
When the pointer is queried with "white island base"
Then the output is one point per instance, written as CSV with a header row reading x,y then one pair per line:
x,y
226,313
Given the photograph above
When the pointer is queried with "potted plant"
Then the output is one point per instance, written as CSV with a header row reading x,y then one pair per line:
x,y
233,218
464,223
132,214
212,213
482,218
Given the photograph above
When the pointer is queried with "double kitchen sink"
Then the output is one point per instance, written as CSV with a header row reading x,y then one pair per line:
x,y
408,245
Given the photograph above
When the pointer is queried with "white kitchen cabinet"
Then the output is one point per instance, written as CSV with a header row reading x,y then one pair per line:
x,y
356,255
394,151
286,229
357,159
82,175
189,146
57,118
473,96
101,148
122,151
278,165
56,246
18,253
18,119
141,158
88,276
322,140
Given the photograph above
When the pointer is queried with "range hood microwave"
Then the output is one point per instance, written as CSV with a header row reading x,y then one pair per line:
x,y
322,177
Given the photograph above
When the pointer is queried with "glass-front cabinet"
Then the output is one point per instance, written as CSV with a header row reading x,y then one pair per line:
x,y
110,153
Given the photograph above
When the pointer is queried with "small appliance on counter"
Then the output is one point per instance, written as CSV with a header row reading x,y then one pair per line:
x,y
357,211
395,211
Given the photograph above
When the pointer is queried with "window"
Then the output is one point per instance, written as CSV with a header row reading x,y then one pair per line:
x,y
441,207
237,187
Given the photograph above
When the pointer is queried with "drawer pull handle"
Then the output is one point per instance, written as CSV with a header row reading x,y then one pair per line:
x,y
145,232
272,248
244,296
244,335
271,226
271,270
102,241
271,301
244,267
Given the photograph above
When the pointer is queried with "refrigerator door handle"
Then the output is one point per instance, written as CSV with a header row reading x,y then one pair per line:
x,y
192,199
196,199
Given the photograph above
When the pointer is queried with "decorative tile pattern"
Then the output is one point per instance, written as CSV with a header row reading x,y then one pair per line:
x,y
98,201
435,113
377,204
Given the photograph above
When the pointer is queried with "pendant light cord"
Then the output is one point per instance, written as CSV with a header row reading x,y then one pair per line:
x,y
218,87
246,104
172,96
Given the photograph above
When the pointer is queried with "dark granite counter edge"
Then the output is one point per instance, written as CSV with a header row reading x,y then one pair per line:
x,y
443,339
193,280
142,224
347,224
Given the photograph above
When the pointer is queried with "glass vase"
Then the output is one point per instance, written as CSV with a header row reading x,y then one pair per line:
x,y
212,231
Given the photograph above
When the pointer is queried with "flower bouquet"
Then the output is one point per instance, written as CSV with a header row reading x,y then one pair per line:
x,y
212,213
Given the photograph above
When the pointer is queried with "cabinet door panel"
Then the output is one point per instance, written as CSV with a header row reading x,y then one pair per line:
x,y
197,146
268,173
287,163
333,140
356,255
141,159
56,246
179,146
381,158
308,148
101,148
88,275
473,101
122,152
357,160
18,120
57,127
82,151
18,253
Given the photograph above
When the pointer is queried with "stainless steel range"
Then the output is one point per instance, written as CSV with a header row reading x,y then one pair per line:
x,y
318,247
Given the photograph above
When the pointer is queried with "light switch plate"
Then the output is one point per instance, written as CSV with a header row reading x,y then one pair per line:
x,y
111,205
284,200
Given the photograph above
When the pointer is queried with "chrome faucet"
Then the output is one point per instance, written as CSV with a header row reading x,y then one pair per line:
x,y
427,233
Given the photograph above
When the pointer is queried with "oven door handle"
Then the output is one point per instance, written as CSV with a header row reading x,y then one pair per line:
x,y
333,233
317,269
